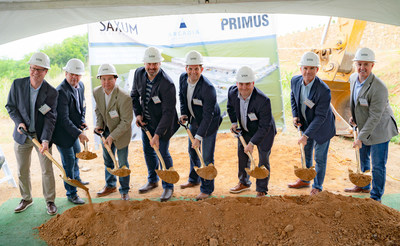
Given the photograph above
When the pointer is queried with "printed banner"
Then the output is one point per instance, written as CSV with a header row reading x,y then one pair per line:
x,y
226,41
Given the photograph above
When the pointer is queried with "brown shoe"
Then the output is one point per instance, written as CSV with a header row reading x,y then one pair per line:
x,y
356,189
125,197
147,187
261,194
314,191
298,184
23,205
189,185
239,188
202,196
51,208
106,191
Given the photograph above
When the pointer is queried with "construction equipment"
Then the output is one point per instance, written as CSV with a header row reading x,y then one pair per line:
x,y
359,179
304,173
170,176
121,172
208,172
256,172
69,181
336,59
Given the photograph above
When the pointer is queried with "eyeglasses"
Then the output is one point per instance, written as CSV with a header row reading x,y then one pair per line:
x,y
37,69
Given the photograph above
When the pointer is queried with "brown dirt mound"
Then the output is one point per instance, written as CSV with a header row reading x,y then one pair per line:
x,y
323,219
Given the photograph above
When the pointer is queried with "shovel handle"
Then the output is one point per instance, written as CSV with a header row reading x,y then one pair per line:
x,y
248,153
157,151
192,139
108,148
303,164
357,149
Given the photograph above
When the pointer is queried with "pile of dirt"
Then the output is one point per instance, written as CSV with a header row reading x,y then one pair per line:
x,y
323,219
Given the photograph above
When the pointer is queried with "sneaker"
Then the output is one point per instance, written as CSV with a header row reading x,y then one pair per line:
x,y
23,205
76,200
51,208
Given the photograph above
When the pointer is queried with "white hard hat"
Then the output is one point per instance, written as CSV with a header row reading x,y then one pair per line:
x,y
152,55
245,75
364,54
194,58
75,66
309,59
40,59
107,69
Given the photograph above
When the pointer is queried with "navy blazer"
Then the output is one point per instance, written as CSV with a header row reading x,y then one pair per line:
x,y
320,118
208,114
263,129
164,118
69,117
18,107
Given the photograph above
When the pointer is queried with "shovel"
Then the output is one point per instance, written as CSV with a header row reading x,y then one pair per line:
x,y
358,178
72,182
170,176
206,172
256,172
86,154
121,172
304,173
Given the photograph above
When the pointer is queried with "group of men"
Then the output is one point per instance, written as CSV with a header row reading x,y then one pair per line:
x,y
58,116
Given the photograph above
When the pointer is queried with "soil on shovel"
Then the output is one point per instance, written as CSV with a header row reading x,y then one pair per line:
x,y
360,179
306,174
323,219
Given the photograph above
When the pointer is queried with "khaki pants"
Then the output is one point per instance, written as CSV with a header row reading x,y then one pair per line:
x,y
23,154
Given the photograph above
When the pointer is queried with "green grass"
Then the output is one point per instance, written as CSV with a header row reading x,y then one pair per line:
x,y
396,112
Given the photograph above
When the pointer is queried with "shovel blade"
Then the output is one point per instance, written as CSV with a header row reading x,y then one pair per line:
x,y
170,176
75,183
121,172
258,172
209,172
86,155
306,174
359,179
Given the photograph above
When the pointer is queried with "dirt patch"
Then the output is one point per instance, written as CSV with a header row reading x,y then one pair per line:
x,y
323,219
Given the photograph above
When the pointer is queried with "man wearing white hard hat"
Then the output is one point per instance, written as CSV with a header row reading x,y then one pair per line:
x,y
311,99
71,111
374,118
154,98
250,108
32,105
199,106
113,118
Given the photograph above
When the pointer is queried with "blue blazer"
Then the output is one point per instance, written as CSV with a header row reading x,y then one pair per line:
x,y
207,115
320,118
70,117
164,118
18,107
263,129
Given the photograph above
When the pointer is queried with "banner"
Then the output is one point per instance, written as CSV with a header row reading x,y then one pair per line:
x,y
226,41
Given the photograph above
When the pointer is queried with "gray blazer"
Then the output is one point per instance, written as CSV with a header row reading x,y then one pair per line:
x,y
375,121
119,125
19,110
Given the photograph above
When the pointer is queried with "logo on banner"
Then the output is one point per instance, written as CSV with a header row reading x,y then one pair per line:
x,y
243,22
118,26
184,31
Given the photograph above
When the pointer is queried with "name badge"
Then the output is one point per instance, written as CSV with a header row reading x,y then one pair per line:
x,y
197,102
156,99
113,114
309,103
363,102
44,109
252,116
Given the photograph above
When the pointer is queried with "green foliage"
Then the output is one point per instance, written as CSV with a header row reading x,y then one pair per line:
x,y
285,81
5,85
396,112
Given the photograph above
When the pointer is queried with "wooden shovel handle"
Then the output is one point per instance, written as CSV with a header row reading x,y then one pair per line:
x,y
47,153
108,148
157,151
357,150
196,149
248,153
303,155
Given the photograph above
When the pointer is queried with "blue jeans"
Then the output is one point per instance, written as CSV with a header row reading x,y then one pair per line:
x,y
70,164
244,161
379,154
320,157
111,180
208,148
152,161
